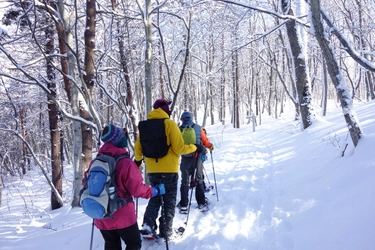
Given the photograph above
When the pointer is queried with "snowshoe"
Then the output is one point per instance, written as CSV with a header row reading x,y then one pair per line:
x,y
182,209
148,235
204,207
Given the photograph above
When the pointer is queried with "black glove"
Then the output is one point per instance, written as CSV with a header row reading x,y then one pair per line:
x,y
193,183
200,148
138,163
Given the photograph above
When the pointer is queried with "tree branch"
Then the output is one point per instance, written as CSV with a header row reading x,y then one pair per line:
x,y
54,190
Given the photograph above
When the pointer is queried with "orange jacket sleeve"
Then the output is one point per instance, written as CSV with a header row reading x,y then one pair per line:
x,y
204,139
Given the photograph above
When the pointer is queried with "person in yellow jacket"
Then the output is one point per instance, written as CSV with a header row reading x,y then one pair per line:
x,y
163,170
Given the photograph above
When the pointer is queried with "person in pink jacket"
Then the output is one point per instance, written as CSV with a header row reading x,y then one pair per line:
x,y
130,184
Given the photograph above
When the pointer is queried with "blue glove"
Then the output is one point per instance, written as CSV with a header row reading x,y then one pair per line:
x,y
159,189
204,157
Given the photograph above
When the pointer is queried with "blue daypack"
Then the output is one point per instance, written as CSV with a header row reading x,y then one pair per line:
x,y
98,197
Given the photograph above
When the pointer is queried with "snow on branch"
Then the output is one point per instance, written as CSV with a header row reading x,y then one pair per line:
x,y
270,12
34,81
354,54
54,190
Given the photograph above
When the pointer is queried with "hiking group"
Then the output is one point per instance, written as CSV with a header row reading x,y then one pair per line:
x,y
113,179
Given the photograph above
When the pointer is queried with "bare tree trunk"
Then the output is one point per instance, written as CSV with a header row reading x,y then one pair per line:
x,y
222,86
300,69
210,87
206,100
77,149
325,88
124,64
148,55
72,93
335,73
186,56
257,101
147,22
53,119
369,80
1,183
161,54
370,95
161,77
208,84
64,69
271,92
276,101
24,135
235,111
89,80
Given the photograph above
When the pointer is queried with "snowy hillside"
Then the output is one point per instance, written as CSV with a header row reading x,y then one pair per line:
x,y
278,188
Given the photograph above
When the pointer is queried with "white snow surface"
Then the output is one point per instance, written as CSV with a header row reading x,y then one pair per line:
x,y
277,188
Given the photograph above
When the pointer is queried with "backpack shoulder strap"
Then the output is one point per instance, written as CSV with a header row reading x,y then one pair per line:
x,y
186,126
113,178
121,156
144,125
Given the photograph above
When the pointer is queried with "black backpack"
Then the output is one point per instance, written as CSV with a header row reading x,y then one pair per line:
x,y
153,138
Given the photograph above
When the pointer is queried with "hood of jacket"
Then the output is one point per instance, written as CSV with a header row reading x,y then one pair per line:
x,y
157,114
187,123
109,149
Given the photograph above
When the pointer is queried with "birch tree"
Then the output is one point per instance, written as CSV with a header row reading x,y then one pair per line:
x,y
335,72
297,47
147,22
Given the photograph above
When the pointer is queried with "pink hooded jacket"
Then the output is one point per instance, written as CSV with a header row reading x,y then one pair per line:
x,y
129,180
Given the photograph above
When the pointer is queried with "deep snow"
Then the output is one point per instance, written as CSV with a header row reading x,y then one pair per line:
x,y
278,188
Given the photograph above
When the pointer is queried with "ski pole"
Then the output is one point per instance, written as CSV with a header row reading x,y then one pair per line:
x,y
213,169
181,230
205,172
136,199
136,208
210,186
92,234
164,221
191,195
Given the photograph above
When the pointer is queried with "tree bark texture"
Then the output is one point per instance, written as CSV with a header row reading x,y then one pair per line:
x,y
299,68
53,113
89,80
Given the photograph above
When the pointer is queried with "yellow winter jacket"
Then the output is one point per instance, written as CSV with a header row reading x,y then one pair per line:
x,y
170,162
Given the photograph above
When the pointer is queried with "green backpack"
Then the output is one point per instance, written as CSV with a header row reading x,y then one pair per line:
x,y
188,133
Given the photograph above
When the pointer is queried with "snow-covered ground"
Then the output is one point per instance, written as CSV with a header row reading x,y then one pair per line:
x,y
277,188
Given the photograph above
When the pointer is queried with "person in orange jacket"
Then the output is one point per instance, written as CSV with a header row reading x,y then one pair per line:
x,y
191,166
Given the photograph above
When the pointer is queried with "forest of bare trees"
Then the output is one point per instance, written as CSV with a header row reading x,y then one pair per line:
x,y
69,67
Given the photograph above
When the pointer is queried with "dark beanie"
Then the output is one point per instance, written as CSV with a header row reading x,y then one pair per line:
x,y
114,135
163,104
186,116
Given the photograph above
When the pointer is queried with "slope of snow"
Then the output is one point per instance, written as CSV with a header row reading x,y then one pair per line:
x,y
277,188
